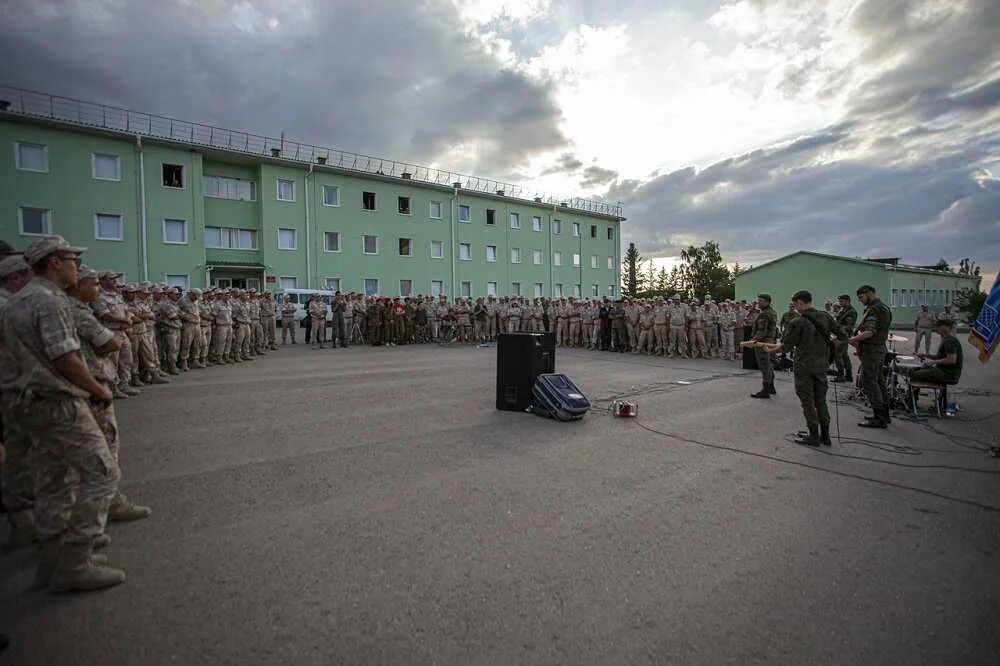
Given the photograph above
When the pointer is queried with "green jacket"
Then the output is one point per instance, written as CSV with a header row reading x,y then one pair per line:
x,y
765,326
847,318
877,318
811,342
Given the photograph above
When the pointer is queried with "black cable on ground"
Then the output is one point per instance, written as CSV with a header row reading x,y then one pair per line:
x,y
904,450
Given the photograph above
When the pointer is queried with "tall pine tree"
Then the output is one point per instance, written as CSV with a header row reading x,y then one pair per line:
x,y
630,271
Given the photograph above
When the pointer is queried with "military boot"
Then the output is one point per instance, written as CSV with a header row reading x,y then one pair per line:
x,y
22,531
762,393
184,366
811,438
771,389
118,394
171,370
127,512
101,541
135,381
76,571
48,557
157,379
127,390
824,435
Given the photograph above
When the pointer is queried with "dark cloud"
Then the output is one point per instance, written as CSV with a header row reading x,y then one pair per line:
x,y
595,175
911,170
380,77
565,163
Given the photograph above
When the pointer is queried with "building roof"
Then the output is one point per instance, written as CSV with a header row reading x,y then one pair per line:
x,y
100,118
868,262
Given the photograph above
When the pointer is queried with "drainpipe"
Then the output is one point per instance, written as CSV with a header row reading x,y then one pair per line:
x,y
308,243
552,274
454,265
142,208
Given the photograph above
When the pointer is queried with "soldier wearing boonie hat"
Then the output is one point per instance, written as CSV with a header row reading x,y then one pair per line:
x,y
111,310
14,274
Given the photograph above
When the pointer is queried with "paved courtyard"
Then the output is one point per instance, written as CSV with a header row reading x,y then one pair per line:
x,y
371,506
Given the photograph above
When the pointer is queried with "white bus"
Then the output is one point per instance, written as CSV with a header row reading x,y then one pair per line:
x,y
301,299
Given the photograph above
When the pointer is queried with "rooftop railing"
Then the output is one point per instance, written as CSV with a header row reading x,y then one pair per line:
x,y
137,123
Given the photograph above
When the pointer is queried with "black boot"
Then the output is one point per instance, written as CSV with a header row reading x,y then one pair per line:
x,y
874,421
762,393
810,439
770,388
824,435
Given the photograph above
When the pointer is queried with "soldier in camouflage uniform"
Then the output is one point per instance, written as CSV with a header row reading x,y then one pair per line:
x,y
111,311
870,339
765,330
191,340
75,473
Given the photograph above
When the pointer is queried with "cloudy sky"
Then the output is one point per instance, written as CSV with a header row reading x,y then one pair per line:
x,y
857,127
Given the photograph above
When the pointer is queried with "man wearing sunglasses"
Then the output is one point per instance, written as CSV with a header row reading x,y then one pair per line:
x,y
41,363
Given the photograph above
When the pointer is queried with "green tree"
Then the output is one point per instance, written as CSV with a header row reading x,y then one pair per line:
x,y
705,273
970,302
630,270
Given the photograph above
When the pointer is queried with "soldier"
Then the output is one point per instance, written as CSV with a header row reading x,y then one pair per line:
x,y
870,342
170,325
786,318
765,329
222,334
727,327
463,320
847,318
110,310
574,319
513,317
149,366
268,310
16,484
348,337
373,322
678,315
317,315
561,332
399,310
699,347
923,326
944,367
360,323
337,332
388,322
619,331
75,473
712,326
206,320
588,322
491,318
191,340
259,344
646,322
632,313
287,320
809,335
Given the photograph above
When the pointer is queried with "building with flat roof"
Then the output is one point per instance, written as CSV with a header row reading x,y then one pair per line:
x,y
903,288
173,201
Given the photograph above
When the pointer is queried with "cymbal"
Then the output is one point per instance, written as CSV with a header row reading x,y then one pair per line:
x,y
898,338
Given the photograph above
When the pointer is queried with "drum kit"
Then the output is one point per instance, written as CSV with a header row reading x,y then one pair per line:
x,y
897,369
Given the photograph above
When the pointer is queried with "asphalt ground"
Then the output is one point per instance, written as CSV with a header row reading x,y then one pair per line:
x,y
371,506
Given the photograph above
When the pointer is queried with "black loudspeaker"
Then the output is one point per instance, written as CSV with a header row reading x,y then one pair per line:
x,y
749,353
521,357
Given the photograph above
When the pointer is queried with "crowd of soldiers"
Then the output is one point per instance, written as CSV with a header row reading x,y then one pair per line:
x,y
673,327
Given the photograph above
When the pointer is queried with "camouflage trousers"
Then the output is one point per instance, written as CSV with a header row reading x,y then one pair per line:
x,y
241,340
171,346
206,342
698,344
267,323
513,323
106,420
123,358
678,341
191,343
17,484
712,338
764,363
728,344
811,389
76,475
259,341
148,364
633,334
645,341
222,342
288,326
873,379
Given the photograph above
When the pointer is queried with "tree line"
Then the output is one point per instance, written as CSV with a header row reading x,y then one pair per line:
x,y
702,272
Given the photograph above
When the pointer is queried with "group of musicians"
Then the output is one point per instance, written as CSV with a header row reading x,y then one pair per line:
x,y
818,340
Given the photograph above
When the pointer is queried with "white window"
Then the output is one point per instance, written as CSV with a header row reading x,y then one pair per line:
x,y
465,251
331,241
515,288
491,253
370,244
464,214
175,232
224,187
368,201
611,263
595,290
172,175
593,261
539,288
437,249
331,195
405,288
31,157
179,281
230,238
437,287
557,290
611,291
576,291
491,288
287,239
406,247
536,223
576,260
515,221
34,221
288,282
333,284
109,227
556,227
536,257
466,289
371,286
435,210
515,255
286,190
105,167
576,229
557,258
895,298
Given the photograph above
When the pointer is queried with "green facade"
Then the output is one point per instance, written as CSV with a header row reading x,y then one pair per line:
x,y
903,288
72,196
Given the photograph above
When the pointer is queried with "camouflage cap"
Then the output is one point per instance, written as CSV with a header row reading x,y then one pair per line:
x,y
43,247
171,290
13,264
85,272
155,290
195,290
107,274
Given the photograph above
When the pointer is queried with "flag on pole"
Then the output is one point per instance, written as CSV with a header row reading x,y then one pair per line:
x,y
985,331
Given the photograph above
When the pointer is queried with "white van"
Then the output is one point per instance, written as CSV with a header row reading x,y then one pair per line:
x,y
301,299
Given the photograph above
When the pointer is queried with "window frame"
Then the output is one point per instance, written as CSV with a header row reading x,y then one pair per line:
x,y
46,221
399,242
326,284
187,233
293,278
183,169
593,262
187,280
374,208
539,290
515,217
121,225
460,246
430,210
556,227
577,259
228,232
440,291
364,248
611,233
468,219
515,287
461,288
491,213
536,258
277,190
335,188
496,286
494,259
442,249
557,257
295,239
251,183
575,228
118,167
340,243
17,157
518,250
378,286
401,294
409,206
611,263
540,226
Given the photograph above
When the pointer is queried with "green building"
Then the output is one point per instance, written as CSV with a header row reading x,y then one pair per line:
x,y
192,205
904,288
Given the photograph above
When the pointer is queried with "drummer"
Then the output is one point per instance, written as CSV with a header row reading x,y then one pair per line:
x,y
944,367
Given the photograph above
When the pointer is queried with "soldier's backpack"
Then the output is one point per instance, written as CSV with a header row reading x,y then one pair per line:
x,y
557,397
